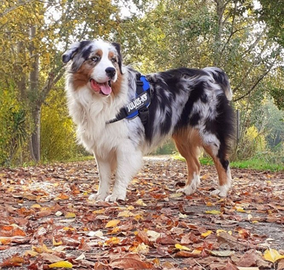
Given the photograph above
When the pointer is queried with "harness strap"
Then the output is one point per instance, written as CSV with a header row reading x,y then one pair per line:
x,y
139,105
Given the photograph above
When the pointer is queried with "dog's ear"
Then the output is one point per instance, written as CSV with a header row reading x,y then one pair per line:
x,y
78,53
117,47
70,53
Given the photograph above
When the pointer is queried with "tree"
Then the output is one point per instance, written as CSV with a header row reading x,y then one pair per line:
x,y
33,37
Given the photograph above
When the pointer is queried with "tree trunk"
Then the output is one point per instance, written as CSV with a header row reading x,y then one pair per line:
x,y
220,7
34,100
35,136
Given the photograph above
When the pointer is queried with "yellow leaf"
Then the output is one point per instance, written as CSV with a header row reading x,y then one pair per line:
x,y
31,253
68,229
100,211
125,214
213,212
220,231
180,247
70,215
115,230
205,234
112,223
140,202
61,264
240,209
42,249
112,241
36,206
56,243
272,255
196,252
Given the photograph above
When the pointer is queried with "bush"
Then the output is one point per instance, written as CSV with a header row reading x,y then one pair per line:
x,y
12,126
251,144
58,140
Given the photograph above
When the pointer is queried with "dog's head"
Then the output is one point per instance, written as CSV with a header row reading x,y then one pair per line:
x,y
97,64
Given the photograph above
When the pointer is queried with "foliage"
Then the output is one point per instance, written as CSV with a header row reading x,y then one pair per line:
x,y
58,140
272,13
250,144
53,224
12,126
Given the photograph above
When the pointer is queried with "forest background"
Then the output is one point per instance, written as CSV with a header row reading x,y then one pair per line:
x,y
244,37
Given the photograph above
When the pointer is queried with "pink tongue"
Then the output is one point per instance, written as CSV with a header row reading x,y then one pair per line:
x,y
105,88
101,87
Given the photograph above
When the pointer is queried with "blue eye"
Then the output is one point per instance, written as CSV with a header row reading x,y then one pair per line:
x,y
95,58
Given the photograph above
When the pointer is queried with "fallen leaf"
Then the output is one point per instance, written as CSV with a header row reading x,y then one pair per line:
x,y
205,234
112,223
130,263
213,212
54,243
153,236
50,258
62,196
140,202
112,241
12,262
280,265
272,255
248,268
221,253
125,213
70,215
180,247
61,264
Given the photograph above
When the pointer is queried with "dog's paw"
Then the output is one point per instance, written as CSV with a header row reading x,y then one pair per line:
x,y
191,188
98,197
222,191
116,197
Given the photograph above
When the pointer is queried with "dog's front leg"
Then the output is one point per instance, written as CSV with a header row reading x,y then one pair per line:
x,y
129,161
105,171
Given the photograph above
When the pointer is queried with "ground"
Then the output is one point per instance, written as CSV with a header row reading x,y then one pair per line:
x,y
46,220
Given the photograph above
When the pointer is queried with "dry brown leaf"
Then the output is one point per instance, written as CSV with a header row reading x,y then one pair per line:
x,y
130,263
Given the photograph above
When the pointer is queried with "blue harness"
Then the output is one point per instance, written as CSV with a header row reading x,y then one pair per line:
x,y
138,106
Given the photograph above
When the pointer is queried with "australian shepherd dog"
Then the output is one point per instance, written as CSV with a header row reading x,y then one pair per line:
x,y
189,105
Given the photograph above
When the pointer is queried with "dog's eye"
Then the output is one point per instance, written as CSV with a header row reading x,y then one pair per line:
x,y
113,60
95,59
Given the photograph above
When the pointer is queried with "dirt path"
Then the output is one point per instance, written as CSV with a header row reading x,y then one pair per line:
x,y
46,218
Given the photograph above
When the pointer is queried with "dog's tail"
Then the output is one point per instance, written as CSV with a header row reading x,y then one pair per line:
x,y
222,79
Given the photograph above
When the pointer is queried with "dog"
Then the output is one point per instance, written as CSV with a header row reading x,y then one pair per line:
x,y
190,105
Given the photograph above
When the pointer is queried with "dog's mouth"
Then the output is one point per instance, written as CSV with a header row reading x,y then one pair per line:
x,y
102,88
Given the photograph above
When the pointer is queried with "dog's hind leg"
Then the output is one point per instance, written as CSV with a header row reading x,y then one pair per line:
x,y
188,143
220,158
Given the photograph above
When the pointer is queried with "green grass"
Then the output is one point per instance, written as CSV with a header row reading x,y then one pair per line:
x,y
255,164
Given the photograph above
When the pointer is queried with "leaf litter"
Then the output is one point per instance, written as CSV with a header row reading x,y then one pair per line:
x,y
47,221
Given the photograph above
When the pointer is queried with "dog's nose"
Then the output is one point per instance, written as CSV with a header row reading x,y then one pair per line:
x,y
110,71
